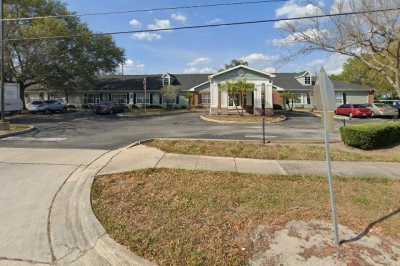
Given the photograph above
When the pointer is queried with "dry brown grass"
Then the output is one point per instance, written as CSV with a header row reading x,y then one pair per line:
x,y
14,128
274,151
178,217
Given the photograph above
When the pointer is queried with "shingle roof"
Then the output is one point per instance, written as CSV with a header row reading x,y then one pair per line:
x,y
287,81
188,81
345,86
154,82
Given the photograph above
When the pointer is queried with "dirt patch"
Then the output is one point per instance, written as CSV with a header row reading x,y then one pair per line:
x,y
310,243
178,217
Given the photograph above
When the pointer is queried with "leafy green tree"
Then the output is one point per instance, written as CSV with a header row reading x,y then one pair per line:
x,y
60,64
356,71
170,93
237,89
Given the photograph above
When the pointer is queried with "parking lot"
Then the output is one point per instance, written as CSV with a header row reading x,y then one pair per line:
x,y
87,130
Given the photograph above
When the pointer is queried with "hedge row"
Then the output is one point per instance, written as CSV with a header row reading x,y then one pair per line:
x,y
371,136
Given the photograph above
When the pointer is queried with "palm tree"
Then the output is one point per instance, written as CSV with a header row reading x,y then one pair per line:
x,y
237,88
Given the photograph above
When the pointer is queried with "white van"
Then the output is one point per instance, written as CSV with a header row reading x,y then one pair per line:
x,y
13,103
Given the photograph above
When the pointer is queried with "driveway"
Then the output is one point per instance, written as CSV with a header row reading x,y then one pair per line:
x,y
89,131
29,182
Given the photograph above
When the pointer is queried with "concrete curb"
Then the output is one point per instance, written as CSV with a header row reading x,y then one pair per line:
x,y
12,134
272,141
202,117
77,237
154,115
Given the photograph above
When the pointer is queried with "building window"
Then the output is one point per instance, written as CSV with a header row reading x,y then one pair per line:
x,y
140,99
205,98
339,98
177,99
307,80
119,98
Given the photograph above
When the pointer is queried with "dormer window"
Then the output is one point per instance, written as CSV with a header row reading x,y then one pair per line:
x,y
166,80
307,80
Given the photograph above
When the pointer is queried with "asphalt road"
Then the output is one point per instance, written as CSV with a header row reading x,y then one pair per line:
x,y
89,131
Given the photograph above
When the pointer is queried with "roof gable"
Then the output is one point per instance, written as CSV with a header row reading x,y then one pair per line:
x,y
246,68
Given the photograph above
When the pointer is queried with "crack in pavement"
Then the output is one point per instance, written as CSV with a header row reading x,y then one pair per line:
x,y
24,260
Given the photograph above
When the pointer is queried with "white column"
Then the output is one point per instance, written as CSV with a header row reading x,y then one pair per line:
x,y
269,102
257,96
214,95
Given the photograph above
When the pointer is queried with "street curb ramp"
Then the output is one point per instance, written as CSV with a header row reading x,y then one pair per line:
x,y
76,237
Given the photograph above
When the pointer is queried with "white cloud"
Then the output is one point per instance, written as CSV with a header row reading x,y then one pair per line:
x,y
269,70
136,24
291,10
159,24
153,36
146,36
297,37
333,64
204,70
258,58
179,18
199,61
132,67
215,21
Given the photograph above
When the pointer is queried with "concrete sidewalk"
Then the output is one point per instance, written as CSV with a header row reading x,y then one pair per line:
x,y
141,157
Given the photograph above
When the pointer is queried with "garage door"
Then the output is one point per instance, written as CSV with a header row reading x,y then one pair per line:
x,y
357,97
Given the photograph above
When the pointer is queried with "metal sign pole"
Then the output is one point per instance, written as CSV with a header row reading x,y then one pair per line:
x,y
325,96
145,95
330,178
3,120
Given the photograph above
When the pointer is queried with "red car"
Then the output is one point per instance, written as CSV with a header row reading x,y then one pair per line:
x,y
354,110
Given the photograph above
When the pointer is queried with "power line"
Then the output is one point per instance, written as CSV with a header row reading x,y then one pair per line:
x,y
211,25
147,10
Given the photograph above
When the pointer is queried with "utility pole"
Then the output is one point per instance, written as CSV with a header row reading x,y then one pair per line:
x,y
145,94
3,124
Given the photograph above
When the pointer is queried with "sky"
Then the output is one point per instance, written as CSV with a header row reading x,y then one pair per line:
x,y
204,50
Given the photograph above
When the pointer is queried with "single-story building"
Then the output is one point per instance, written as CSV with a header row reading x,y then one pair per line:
x,y
269,91
128,89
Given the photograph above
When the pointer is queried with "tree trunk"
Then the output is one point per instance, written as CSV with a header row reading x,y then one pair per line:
x,y
22,88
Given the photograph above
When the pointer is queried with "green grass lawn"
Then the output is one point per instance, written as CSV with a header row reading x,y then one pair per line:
x,y
274,151
179,217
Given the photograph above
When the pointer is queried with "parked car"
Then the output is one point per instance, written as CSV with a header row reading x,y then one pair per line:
x,y
354,110
383,110
109,108
37,107
54,106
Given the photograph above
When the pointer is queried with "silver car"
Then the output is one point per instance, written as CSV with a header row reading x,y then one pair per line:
x,y
55,106
37,107
383,110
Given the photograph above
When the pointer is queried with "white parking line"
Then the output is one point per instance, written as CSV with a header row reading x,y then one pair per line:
x,y
35,139
259,136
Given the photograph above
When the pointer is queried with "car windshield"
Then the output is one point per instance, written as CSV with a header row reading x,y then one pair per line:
x,y
37,102
360,105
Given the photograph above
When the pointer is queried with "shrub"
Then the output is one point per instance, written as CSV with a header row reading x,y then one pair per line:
x,y
371,136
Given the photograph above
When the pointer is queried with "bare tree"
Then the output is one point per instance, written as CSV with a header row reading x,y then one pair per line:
x,y
374,38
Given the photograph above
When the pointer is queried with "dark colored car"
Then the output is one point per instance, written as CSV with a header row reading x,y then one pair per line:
x,y
109,108
354,110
